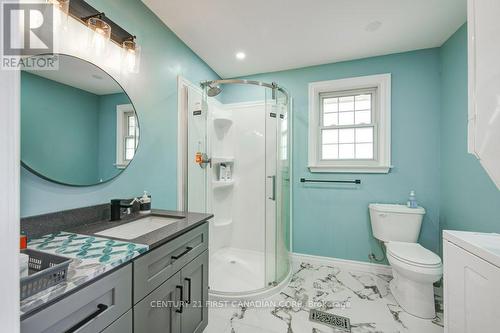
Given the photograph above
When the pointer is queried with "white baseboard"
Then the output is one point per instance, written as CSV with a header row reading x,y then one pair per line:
x,y
297,258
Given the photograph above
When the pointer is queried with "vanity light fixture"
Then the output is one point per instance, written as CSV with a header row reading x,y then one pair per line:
x,y
61,13
101,33
102,30
62,5
99,26
131,54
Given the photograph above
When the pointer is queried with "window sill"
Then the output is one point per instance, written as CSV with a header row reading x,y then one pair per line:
x,y
349,169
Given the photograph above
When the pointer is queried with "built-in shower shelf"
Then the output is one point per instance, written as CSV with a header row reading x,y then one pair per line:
x,y
222,159
222,118
222,183
222,222
222,122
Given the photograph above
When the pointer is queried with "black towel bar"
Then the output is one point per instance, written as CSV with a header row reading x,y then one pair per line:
x,y
356,181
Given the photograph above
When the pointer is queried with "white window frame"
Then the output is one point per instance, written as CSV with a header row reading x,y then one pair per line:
x,y
381,111
121,111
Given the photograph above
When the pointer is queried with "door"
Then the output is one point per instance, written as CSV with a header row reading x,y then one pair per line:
x,y
197,150
271,201
194,277
283,196
277,186
160,310
471,291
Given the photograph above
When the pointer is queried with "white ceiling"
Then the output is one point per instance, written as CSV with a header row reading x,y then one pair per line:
x,y
81,74
284,34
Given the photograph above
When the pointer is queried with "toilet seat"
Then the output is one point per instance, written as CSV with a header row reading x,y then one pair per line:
x,y
413,254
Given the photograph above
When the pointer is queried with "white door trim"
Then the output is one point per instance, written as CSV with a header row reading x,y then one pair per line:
x,y
182,103
9,199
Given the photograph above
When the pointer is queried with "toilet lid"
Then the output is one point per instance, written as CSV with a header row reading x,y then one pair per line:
x,y
413,253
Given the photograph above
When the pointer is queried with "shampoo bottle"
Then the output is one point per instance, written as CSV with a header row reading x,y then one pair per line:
x,y
222,172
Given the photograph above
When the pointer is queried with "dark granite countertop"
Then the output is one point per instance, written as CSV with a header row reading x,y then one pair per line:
x,y
158,237
69,222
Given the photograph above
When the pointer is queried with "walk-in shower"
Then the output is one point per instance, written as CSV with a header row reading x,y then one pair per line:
x,y
238,168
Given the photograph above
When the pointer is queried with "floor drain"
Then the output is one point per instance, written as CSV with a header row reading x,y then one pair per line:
x,y
330,319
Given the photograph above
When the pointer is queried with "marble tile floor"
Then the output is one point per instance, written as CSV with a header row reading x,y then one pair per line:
x,y
362,296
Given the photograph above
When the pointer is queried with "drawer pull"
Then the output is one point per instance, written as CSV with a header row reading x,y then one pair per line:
x,y
189,290
179,310
189,248
100,309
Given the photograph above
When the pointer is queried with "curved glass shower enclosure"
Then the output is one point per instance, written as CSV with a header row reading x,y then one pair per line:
x,y
238,168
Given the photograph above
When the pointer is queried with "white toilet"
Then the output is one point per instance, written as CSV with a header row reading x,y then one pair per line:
x,y
414,268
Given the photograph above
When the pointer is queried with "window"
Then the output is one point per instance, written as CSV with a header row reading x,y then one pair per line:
x,y
349,125
127,134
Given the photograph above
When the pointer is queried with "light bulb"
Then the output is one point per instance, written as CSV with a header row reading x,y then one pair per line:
x,y
62,5
130,55
60,13
100,35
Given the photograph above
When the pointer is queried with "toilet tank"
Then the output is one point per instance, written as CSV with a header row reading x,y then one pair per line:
x,y
396,222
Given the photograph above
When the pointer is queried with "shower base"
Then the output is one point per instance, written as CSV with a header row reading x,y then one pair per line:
x,y
234,270
239,275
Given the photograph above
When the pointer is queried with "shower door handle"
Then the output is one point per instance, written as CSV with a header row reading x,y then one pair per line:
x,y
273,197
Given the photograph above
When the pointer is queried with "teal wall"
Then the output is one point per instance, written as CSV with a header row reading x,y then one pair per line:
x,y
469,198
333,220
154,94
73,148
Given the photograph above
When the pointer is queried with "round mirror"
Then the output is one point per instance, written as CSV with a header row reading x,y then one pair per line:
x,y
78,125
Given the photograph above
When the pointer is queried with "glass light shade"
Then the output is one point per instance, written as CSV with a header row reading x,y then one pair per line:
x,y
62,5
61,14
131,56
99,36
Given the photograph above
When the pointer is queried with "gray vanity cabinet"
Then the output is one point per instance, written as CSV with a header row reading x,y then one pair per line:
x,y
88,310
159,311
163,291
194,276
171,286
179,304
121,325
154,268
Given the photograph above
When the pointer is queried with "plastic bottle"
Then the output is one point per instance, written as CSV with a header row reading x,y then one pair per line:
x,y
412,200
222,172
145,203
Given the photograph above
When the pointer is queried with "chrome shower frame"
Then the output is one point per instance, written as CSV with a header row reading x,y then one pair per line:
x,y
274,86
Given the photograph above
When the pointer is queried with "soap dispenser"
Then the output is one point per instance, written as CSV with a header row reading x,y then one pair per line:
x,y
145,203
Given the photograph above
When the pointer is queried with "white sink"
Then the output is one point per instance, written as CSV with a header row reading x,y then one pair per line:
x,y
138,228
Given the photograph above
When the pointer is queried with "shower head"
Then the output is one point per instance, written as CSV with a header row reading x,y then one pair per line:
x,y
213,90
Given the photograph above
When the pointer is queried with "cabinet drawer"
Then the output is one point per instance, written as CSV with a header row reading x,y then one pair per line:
x,y
124,324
154,268
90,309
